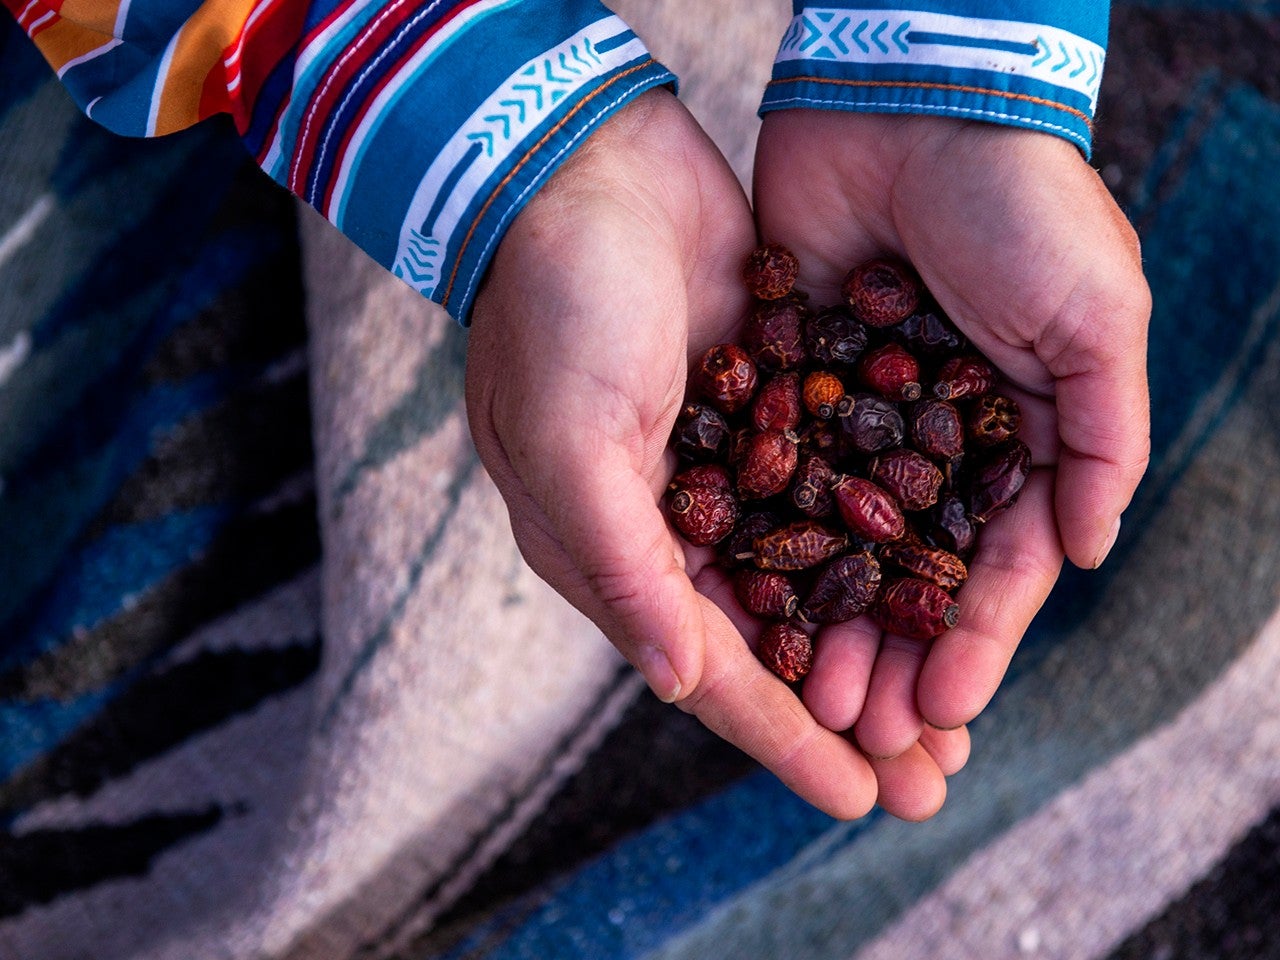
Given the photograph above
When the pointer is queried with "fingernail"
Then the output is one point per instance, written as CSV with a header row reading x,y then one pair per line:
x,y
1111,542
659,674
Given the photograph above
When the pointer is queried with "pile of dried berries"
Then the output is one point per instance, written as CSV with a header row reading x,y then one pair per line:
x,y
843,458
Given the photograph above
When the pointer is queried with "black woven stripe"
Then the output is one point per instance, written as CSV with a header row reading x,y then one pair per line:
x,y
253,554
40,866
1231,914
157,713
239,450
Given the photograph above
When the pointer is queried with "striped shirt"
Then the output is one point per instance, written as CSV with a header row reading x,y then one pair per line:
x,y
420,128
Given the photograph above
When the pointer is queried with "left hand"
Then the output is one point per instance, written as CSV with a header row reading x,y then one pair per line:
x,y
1023,246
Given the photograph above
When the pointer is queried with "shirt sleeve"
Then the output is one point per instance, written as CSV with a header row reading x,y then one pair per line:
x,y
420,128
1026,63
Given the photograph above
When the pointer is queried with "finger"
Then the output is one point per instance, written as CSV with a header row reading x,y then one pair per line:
x,y
891,722
836,688
738,699
911,785
1018,560
1104,417
949,748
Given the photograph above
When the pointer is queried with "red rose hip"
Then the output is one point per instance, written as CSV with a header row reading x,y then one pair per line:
x,y
770,271
881,292
765,593
726,376
867,510
915,608
890,371
786,650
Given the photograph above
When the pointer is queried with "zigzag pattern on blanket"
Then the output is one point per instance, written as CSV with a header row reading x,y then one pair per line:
x,y
156,458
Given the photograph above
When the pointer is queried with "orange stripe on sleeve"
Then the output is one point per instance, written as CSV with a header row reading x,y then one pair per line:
x,y
63,41
199,51
97,15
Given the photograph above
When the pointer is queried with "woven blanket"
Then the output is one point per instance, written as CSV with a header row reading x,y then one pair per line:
x,y
276,685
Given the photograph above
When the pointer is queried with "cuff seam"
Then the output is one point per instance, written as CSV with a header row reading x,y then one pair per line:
x,y
944,87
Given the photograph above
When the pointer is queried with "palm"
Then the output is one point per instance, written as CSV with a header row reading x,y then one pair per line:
x,y
1025,250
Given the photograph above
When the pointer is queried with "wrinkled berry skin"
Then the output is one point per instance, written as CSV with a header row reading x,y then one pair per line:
x,y
929,333
912,479
770,271
822,394
915,608
765,593
767,465
798,546
867,510
992,420
726,376
777,404
881,292
703,475
950,526
891,372
964,377
774,334
874,424
928,563
833,336
997,479
786,650
701,434
936,429
845,588
740,547
811,486
704,514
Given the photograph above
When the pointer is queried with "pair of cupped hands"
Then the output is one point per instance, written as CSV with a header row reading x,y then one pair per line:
x,y
627,265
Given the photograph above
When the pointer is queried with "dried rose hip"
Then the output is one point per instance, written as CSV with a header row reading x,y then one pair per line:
x,y
701,434
765,593
936,429
997,479
774,334
928,563
874,424
798,546
822,394
912,479
704,514
891,372
834,336
811,486
845,588
867,510
992,420
767,465
726,376
740,546
915,608
777,404
786,650
770,271
964,377
703,475
951,527
881,292
928,333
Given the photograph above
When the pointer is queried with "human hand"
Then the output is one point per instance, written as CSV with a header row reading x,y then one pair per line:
x,y
1023,246
623,267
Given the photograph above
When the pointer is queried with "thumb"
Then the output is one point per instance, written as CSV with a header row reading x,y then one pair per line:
x,y
628,573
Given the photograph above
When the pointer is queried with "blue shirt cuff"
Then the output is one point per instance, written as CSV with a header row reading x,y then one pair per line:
x,y
438,142
1038,64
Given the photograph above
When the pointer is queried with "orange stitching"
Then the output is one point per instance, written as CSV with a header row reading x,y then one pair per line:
x,y
950,87
457,264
